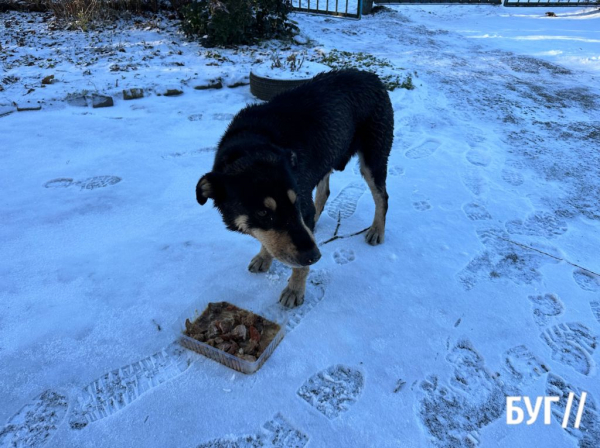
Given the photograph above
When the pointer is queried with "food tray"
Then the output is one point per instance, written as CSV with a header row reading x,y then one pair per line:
x,y
231,361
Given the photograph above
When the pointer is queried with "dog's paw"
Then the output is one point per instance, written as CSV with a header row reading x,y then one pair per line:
x,y
260,264
291,297
374,236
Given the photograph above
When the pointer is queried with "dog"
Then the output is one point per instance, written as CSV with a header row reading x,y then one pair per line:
x,y
273,155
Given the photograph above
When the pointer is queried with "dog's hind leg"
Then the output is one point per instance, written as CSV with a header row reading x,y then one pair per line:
x,y
261,262
375,174
321,196
293,294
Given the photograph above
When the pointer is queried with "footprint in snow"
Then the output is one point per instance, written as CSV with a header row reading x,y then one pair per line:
x,y
476,212
588,434
454,413
395,170
195,152
586,280
333,390
420,203
344,205
277,433
523,366
117,389
546,307
344,256
512,177
595,305
502,260
473,180
425,149
90,183
478,157
543,224
421,206
572,344
36,422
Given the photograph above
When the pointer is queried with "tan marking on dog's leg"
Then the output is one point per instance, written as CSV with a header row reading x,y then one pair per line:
x,y
293,294
321,196
376,233
261,261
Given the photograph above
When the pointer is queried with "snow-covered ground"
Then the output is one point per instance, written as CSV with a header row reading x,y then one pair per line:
x,y
485,286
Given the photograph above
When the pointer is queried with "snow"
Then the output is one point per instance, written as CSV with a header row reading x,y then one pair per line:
x,y
305,70
484,287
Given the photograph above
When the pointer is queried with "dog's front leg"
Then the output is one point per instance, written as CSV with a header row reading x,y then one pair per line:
x,y
293,294
261,262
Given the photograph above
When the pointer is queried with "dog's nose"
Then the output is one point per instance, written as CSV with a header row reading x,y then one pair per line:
x,y
309,257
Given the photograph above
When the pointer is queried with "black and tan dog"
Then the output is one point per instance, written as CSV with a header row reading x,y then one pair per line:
x,y
273,155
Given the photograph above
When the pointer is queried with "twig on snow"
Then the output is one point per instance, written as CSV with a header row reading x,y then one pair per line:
x,y
524,246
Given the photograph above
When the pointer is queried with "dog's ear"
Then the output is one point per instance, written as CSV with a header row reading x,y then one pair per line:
x,y
209,186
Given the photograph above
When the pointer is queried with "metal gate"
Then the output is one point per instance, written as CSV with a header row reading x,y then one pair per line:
x,y
340,8
551,3
439,2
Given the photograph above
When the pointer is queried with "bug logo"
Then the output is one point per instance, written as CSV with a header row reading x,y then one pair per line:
x,y
515,415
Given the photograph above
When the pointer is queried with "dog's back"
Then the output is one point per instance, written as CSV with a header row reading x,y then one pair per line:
x,y
325,121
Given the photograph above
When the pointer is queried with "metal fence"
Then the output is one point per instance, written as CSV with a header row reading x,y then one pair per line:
x,y
439,2
551,3
353,8
340,8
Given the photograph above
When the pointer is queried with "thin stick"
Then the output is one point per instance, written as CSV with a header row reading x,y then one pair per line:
x,y
339,223
524,246
339,237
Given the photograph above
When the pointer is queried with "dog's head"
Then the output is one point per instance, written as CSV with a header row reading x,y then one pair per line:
x,y
259,198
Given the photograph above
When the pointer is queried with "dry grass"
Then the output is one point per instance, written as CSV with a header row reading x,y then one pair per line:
x,y
87,14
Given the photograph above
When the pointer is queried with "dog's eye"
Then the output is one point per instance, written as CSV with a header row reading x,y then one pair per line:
x,y
262,213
